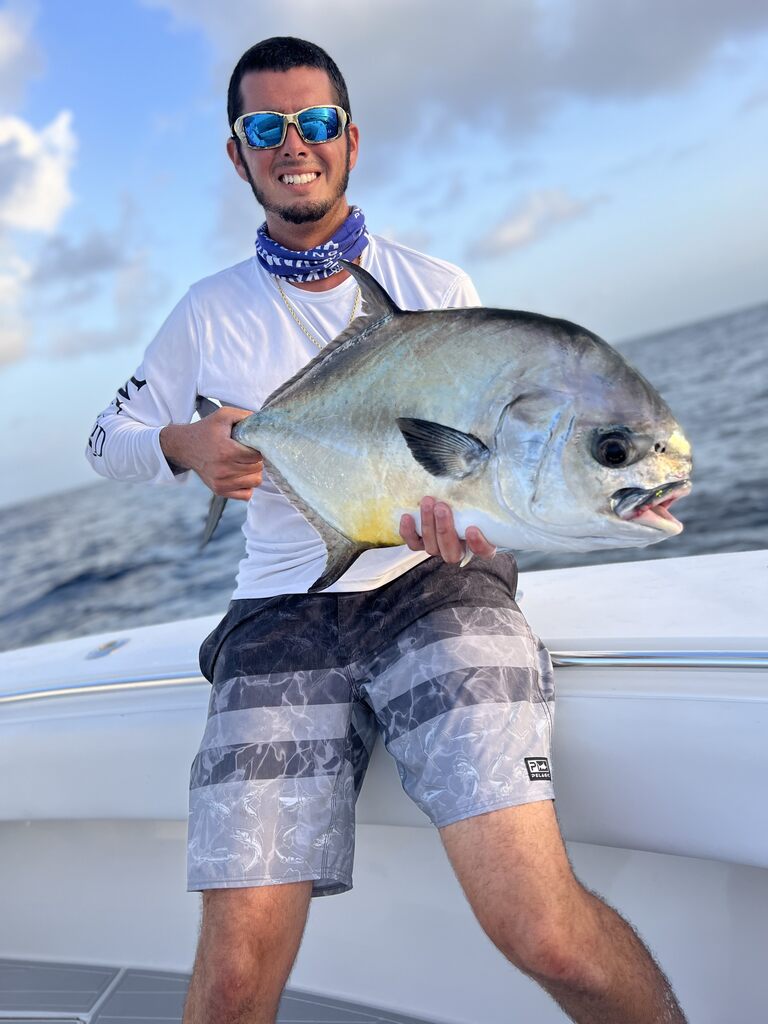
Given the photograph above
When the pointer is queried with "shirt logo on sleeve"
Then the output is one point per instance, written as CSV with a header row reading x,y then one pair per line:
x,y
96,440
538,768
124,394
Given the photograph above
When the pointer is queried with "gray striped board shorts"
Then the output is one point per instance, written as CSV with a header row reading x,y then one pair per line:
x,y
440,661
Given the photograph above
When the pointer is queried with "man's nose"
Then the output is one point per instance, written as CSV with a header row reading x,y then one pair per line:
x,y
293,142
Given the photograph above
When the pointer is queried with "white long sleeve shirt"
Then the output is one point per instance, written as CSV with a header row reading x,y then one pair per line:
x,y
232,338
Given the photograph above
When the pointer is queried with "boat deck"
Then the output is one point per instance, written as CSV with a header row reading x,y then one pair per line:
x,y
61,993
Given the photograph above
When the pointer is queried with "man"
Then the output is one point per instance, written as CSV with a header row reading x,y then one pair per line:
x,y
302,683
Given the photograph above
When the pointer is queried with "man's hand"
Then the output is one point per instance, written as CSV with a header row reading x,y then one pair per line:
x,y
230,469
438,534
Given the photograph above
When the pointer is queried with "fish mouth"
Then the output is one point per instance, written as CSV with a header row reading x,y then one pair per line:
x,y
651,507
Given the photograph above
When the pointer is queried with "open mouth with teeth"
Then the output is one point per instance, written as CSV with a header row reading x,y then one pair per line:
x,y
299,179
651,507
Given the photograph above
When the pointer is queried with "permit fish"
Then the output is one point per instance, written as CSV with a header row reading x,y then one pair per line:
x,y
533,429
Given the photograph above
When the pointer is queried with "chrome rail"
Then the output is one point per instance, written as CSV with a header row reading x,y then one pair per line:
x,y
660,659
108,686
560,659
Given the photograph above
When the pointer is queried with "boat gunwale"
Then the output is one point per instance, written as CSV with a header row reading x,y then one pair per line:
x,y
716,659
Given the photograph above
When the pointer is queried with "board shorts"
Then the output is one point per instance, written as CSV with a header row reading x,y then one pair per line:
x,y
440,662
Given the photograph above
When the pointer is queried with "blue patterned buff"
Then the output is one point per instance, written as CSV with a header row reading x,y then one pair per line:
x,y
314,264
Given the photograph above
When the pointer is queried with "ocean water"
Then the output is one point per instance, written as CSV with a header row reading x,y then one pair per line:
x,y
114,555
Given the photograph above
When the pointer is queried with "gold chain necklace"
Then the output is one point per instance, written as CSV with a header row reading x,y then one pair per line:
x,y
294,313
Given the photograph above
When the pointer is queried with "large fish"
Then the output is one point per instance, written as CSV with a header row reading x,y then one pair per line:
x,y
532,429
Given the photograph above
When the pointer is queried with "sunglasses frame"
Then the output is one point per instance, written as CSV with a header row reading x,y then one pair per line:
x,y
239,132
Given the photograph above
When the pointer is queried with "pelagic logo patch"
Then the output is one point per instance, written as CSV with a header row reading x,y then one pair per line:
x,y
538,768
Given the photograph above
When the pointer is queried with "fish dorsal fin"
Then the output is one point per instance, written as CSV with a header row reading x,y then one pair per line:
x,y
443,451
378,301
378,310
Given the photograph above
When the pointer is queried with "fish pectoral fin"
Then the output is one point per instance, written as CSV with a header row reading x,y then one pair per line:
x,y
443,451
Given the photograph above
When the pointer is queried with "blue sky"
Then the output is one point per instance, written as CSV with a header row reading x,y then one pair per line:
x,y
605,162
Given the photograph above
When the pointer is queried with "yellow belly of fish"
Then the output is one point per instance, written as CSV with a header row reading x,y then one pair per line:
x,y
370,522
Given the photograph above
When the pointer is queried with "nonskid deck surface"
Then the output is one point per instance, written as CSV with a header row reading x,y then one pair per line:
x,y
61,993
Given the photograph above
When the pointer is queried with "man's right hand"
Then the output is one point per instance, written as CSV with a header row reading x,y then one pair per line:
x,y
230,469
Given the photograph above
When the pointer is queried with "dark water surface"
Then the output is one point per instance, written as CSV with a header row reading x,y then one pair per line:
x,y
114,555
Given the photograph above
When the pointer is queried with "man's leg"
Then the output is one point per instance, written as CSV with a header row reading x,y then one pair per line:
x,y
514,869
249,939
272,795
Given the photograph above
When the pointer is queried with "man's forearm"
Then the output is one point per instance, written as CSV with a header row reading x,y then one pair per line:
x,y
229,469
175,442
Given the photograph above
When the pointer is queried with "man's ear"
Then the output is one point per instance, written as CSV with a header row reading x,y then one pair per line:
x,y
353,133
234,154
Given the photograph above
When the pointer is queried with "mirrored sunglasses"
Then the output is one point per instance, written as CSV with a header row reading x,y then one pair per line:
x,y
266,129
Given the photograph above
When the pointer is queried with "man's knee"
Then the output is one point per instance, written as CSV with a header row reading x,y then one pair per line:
x,y
550,945
514,869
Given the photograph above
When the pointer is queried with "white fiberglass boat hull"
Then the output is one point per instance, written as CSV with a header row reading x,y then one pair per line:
x,y
660,774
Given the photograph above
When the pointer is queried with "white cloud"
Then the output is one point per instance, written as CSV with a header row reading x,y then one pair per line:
x,y
34,194
419,73
536,215
14,338
137,292
513,62
649,46
36,172
14,330
422,53
64,260
20,57
61,291
13,273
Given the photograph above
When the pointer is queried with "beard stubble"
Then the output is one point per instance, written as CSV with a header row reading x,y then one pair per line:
x,y
301,213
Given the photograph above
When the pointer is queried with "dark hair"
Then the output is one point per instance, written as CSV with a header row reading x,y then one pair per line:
x,y
281,53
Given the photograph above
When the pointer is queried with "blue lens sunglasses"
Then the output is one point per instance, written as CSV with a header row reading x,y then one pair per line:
x,y
266,129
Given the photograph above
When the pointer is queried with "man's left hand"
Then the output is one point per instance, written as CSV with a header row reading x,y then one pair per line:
x,y
438,534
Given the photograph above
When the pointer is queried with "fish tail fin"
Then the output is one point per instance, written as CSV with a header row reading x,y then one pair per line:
x,y
215,510
206,406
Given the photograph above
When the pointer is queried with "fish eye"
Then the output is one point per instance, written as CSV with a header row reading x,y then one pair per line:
x,y
612,448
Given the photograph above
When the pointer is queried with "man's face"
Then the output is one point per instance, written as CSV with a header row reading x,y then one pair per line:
x,y
329,163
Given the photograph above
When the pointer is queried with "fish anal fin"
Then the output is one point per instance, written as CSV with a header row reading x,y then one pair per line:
x,y
443,451
341,550
341,554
